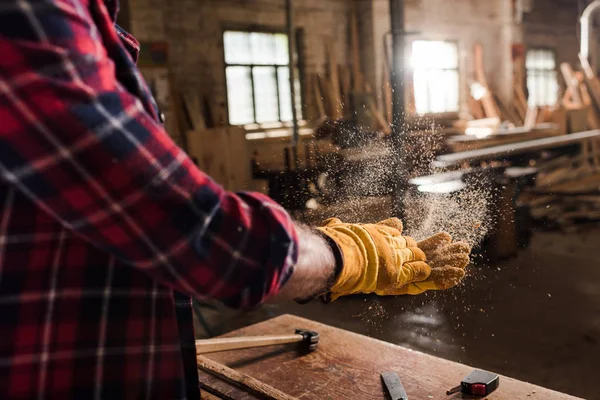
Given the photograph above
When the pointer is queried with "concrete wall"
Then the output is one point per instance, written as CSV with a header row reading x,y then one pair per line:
x,y
194,31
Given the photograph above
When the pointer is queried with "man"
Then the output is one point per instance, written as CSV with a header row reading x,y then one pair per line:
x,y
102,217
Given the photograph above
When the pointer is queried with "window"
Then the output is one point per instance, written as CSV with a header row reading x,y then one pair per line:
x,y
542,82
258,78
435,75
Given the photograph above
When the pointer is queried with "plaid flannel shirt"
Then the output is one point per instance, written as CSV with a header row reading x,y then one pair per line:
x,y
102,216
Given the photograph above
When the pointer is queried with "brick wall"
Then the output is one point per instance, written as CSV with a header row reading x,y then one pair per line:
x,y
554,24
193,29
462,21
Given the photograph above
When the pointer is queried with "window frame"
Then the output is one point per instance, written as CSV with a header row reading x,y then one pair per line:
x,y
300,95
458,70
555,70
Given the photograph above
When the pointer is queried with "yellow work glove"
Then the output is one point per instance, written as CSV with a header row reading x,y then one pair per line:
x,y
379,259
447,260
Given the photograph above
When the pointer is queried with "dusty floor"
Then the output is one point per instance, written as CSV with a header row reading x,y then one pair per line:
x,y
535,317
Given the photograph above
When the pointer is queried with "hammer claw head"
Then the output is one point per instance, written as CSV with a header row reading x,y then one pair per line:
x,y
311,339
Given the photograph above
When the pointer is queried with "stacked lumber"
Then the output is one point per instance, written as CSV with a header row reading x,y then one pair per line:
x,y
582,97
341,93
490,111
567,189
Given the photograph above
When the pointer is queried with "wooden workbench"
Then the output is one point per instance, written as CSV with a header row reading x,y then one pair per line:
x,y
348,366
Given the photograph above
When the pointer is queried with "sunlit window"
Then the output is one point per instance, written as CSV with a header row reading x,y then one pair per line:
x,y
435,74
258,78
542,81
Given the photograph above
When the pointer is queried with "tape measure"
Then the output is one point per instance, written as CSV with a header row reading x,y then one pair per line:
x,y
478,383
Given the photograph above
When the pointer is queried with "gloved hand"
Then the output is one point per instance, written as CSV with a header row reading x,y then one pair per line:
x,y
379,259
447,260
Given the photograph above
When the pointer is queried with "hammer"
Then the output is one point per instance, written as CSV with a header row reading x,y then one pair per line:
x,y
307,340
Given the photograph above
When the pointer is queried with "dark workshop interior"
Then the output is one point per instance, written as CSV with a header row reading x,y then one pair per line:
x,y
484,114
480,118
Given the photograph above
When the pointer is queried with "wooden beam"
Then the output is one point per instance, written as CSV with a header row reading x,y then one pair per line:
x,y
243,381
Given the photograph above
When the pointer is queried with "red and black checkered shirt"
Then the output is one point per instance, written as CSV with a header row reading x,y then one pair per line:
x,y
102,216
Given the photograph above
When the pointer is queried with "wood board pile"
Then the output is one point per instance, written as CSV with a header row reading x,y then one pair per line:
x,y
567,189
496,122
341,93
489,109
582,97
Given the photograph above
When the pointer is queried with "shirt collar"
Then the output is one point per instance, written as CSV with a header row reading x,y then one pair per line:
x,y
113,8
131,44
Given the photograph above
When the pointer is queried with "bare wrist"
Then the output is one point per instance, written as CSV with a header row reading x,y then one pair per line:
x,y
316,266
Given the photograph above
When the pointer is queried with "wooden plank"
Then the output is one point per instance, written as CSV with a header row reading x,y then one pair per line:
x,y
411,105
508,114
496,152
193,106
240,167
379,119
346,89
318,96
222,389
208,396
475,108
489,105
223,154
479,68
593,86
530,117
243,381
593,120
387,94
334,79
348,366
327,93
462,143
357,75
572,84
209,149
520,101
559,118
578,119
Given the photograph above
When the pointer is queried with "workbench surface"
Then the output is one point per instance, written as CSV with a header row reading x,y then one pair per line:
x,y
347,365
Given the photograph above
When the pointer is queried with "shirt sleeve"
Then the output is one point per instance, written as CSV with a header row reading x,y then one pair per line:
x,y
84,150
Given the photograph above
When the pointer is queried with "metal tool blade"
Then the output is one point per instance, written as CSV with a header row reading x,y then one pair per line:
x,y
393,385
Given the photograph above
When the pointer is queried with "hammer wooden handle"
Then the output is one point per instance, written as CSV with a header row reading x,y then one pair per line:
x,y
216,345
